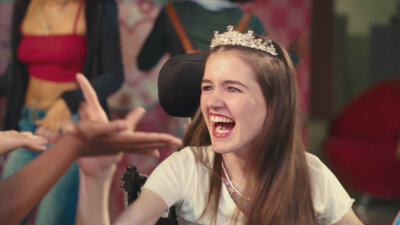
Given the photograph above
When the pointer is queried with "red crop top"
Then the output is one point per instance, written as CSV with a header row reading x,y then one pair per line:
x,y
54,57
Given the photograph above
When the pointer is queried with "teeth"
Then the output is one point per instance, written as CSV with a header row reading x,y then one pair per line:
x,y
217,119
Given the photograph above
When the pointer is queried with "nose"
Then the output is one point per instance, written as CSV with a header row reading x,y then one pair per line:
x,y
215,100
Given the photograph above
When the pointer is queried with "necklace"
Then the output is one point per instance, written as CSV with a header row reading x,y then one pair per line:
x,y
47,25
233,191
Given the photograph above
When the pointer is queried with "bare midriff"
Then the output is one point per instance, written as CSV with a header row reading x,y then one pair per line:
x,y
42,94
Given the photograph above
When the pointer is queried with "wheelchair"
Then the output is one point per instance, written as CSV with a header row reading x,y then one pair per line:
x,y
132,185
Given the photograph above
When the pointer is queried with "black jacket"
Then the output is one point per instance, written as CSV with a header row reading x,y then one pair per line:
x,y
103,66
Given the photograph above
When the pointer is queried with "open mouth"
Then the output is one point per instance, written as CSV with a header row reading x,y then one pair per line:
x,y
222,126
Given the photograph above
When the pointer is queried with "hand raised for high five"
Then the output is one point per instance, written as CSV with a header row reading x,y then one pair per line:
x,y
96,172
94,119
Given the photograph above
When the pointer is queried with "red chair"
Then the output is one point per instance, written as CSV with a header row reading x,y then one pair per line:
x,y
363,141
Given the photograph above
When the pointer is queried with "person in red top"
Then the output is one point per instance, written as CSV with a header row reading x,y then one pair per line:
x,y
52,40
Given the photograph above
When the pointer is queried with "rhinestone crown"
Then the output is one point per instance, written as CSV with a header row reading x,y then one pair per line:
x,y
232,37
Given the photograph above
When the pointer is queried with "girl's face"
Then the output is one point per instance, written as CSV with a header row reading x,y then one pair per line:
x,y
232,103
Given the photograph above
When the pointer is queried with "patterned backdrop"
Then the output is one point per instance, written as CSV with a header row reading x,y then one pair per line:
x,y
283,19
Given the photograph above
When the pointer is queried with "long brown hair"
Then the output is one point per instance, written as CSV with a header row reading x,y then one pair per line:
x,y
279,184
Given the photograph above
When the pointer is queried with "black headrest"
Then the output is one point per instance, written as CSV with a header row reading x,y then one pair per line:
x,y
179,84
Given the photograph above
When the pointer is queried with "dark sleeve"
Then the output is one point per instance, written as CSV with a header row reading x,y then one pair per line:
x,y
155,45
111,77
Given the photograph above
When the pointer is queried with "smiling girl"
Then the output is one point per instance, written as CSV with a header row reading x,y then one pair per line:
x,y
246,163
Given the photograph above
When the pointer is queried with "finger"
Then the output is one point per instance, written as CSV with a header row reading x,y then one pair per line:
x,y
95,128
145,137
152,152
50,135
83,111
38,139
70,128
88,91
161,137
53,125
27,133
39,131
46,122
133,118
143,149
37,143
42,132
135,142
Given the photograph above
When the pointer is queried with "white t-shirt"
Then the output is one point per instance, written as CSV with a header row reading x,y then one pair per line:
x,y
180,180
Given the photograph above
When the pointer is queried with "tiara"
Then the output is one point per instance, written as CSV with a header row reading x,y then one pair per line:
x,y
232,37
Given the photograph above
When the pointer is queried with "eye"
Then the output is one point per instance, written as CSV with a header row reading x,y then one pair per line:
x,y
233,90
206,88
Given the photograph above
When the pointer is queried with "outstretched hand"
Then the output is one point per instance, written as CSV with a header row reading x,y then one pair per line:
x,y
122,138
11,140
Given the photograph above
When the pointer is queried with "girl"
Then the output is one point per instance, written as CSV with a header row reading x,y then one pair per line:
x,y
246,163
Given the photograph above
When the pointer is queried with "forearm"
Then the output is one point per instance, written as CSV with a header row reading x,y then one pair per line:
x,y
23,190
146,210
349,219
93,200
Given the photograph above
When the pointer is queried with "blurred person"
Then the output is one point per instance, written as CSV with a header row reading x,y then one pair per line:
x,y
197,20
52,40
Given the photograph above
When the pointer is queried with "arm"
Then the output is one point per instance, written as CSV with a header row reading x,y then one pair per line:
x,y
147,209
91,188
332,204
85,138
155,45
23,190
96,173
349,219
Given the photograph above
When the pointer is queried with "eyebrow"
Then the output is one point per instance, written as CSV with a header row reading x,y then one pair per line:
x,y
206,81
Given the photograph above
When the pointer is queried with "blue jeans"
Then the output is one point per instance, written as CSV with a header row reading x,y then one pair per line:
x,y
58,207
